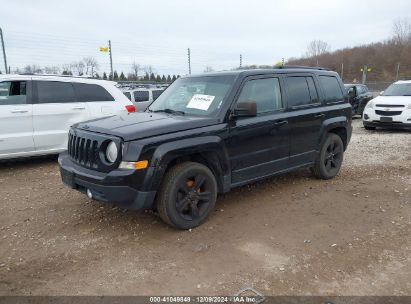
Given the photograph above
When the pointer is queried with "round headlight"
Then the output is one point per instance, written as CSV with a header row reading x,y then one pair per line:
x,y
112,152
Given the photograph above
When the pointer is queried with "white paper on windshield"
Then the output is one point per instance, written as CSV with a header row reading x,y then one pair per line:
x,y
200,101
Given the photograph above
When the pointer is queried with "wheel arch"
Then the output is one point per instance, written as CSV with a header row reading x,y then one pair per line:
x,y
336,125
209,151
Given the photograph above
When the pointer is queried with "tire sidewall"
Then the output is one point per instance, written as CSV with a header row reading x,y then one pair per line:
x,y
328,140
171,210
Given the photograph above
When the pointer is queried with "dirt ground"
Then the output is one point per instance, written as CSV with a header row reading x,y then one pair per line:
x,y
288,235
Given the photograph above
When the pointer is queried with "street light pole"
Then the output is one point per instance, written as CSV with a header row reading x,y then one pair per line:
x,y
111,60
4,51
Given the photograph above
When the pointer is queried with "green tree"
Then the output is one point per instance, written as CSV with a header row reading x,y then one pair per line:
x,y
104,76
163,78
115,75
146,77
122,76
152,77
97,76
158,78
168,78
178,76
174,78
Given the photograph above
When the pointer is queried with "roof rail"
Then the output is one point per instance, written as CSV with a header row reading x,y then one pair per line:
x,y
301,67
55,75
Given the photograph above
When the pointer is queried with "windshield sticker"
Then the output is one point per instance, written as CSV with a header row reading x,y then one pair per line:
x,y
200,101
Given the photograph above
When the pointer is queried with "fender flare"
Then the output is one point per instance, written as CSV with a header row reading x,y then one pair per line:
x,y
332,123
167,152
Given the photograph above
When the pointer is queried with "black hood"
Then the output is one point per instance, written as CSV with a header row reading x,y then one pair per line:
x,y
140,125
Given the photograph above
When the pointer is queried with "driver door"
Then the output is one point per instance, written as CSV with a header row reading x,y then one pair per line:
x,y
259,146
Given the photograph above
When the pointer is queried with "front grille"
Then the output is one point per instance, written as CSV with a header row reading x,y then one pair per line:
x,y
389,106
83,151
388,113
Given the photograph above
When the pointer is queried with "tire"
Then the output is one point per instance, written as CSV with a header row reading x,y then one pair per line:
x,y
329,160
187,195
369,128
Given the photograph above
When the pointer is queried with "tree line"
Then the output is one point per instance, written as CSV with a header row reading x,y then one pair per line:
x,y
89,66
388,60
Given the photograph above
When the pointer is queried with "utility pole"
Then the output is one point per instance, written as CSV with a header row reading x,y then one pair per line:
x,y
398,71
241,61
4,51
111,60
282,62
189,61
342,71
364,74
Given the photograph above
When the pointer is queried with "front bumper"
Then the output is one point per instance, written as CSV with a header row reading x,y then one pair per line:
x,y
372,119
117,186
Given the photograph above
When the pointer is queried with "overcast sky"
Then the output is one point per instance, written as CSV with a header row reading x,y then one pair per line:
x,y
158,33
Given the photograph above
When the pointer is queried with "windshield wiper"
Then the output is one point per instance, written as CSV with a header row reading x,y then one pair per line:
x,y
170,111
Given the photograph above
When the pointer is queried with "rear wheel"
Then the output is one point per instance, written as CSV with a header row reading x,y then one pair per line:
x,y
329,160
187,195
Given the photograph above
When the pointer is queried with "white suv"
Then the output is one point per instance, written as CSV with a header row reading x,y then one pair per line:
x,y
37,111
143,97
391,109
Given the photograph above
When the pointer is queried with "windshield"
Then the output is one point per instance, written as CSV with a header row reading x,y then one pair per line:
x,y
202,95
398,89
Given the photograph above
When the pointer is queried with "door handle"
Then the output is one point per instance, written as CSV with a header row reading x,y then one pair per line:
x,y
19,111
79,108
320,115
280,123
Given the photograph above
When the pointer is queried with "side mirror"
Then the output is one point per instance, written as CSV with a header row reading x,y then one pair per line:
x,y
245,109
382,92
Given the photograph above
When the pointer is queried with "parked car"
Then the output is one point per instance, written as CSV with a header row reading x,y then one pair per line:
x,y
391,109
207,134
36,111
143,97
358,95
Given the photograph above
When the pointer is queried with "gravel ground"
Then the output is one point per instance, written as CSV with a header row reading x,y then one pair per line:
x,y
288,235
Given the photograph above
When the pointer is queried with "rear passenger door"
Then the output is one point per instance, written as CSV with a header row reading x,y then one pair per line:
x,y
96,98
305,117
16,125
54,111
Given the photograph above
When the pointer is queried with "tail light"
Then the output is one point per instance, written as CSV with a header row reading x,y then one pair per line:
x,y
130,108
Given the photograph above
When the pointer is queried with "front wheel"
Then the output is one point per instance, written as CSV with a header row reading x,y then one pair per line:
x,y
187,195
329,160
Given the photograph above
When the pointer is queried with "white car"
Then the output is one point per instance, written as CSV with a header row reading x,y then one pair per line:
x,y
143,97
37,111
391,109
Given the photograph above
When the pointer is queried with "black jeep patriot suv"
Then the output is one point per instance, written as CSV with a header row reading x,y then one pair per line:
x,y
207,134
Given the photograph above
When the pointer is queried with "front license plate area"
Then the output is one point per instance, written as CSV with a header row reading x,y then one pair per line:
x,y
68,179
386,119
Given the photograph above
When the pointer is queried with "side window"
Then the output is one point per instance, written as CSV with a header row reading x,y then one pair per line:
x,y
91,92
265,92
299,92
313,90
332,89
13,93
128,95
156,93
55,92
140,96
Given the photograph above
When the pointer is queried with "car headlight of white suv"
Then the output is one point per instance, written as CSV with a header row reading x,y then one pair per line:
x,y
370,105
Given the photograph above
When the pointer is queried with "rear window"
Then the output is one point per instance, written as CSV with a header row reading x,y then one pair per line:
x,y
156,93
91,92
332,89
140,96
55,92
